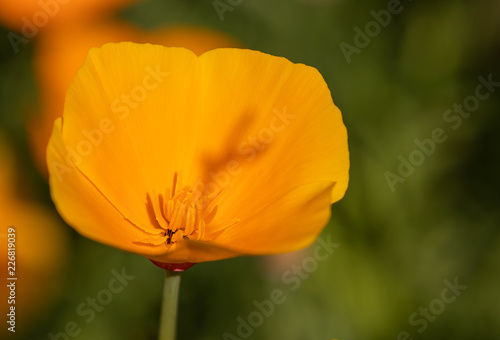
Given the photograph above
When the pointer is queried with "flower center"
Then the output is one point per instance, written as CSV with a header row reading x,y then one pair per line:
x,y
184,213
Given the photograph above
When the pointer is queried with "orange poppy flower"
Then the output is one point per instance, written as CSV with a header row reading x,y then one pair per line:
x,y
185,159
66,49
31,16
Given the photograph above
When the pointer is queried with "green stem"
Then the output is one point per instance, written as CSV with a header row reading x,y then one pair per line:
x,y
168,317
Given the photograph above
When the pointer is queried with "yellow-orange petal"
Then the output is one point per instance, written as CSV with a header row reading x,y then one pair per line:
x,y
290,223
280,126
283,132
83,205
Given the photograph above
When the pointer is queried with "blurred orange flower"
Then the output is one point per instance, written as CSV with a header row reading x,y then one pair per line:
x,y
64,50
41,250
185,159
30,16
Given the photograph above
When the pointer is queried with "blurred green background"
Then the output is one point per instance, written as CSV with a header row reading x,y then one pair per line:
x,y
397,247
